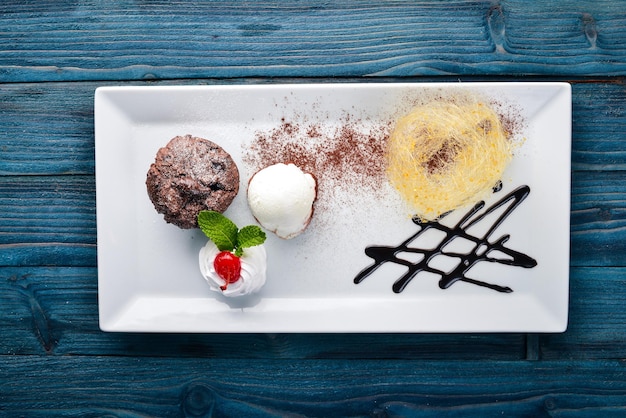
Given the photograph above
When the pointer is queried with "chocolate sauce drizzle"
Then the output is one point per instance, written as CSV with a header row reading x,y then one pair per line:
x,y
482,248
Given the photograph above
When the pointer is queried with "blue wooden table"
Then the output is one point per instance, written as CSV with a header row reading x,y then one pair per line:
x,y
54,360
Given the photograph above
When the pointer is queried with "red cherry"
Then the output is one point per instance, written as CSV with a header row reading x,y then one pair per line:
x,y
228,266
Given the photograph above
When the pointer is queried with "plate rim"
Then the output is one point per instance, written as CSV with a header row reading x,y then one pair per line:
x,y
110,321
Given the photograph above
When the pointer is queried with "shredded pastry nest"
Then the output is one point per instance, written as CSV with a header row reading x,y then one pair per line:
x,y
445,155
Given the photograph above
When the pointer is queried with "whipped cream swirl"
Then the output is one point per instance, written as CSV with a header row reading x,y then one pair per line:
x,y
253,270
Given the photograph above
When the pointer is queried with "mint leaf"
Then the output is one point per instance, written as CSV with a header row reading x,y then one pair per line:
x,y
219,229
225,235
249,236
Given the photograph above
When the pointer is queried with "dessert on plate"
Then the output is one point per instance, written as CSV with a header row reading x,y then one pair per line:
x,y
234,261
281,199
191,174
447,154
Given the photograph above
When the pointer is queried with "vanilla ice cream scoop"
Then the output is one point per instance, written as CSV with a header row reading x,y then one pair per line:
x,y
281,199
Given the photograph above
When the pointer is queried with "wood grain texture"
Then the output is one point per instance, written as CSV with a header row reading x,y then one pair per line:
x,y
597,322
54,311
133,387
48,220
54,361
599,125
598,218
46,129
88,40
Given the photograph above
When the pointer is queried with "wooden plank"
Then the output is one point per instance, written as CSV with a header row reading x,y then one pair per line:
x,y
599,125
598,218
55,361
597,322
54,311
132,41
129,386
47,220
46,130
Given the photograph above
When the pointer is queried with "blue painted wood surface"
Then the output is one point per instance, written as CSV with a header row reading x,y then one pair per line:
x,y
54,361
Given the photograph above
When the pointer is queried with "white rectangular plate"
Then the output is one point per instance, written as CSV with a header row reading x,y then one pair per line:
x,y
148,275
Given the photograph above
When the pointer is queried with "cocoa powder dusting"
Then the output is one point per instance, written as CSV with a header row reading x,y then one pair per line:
x,y
511,118
348,154
345,156
442,158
